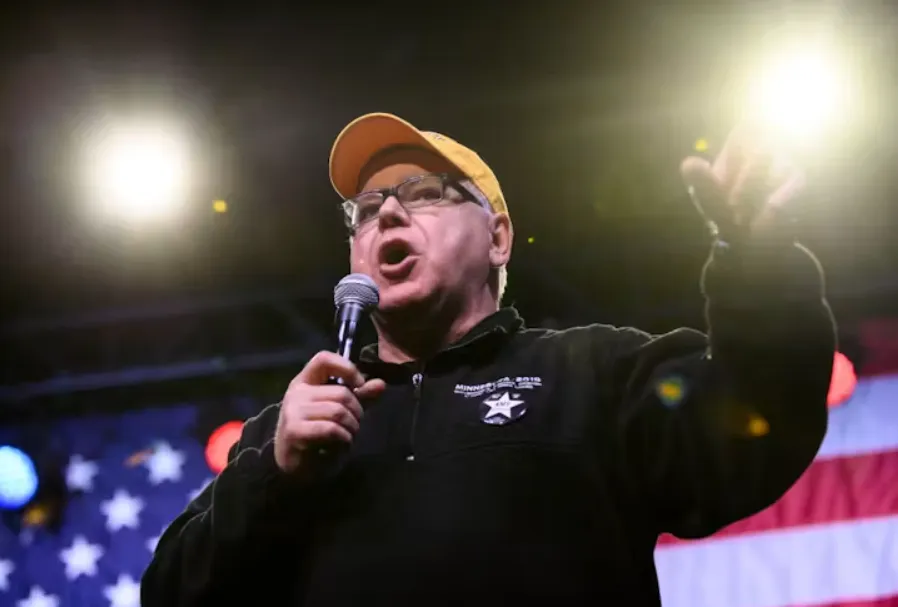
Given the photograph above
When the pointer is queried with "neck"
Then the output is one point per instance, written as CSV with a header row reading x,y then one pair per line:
x,y
408,336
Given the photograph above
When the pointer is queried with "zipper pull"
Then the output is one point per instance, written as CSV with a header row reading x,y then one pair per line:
x,y
417,378
416,382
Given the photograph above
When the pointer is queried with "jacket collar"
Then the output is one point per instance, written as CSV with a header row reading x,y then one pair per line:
x,y
506,321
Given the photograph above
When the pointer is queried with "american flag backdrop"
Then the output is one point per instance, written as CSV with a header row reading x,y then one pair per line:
x,y
833,540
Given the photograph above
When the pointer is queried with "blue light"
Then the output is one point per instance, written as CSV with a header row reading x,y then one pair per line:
x,y
18,478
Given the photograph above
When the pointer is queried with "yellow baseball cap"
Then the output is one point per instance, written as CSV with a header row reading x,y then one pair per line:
x,y
367,135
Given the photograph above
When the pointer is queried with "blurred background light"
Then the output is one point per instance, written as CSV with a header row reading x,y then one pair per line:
x,y
220,442
138,171
844,381
18,478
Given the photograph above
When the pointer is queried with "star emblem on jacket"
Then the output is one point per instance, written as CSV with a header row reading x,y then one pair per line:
x,y
499,409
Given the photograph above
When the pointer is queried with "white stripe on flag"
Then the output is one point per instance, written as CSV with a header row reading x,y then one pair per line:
x,y
867,423
854,560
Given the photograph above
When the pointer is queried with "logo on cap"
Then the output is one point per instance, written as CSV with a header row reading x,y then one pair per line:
x,y
500,409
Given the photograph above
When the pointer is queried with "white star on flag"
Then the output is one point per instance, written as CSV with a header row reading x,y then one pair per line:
x,y
79,474
6,567
80,558
164,464
501,406
38,598
122,511
196,492
153,542
125,592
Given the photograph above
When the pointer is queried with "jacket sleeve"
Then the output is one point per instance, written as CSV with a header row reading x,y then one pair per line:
x,y
716,428
239,541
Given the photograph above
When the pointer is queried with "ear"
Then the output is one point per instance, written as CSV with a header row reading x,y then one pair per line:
x,y
502,236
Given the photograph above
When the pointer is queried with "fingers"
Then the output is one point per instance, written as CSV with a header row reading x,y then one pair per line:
x,y
693,168
337,394
729,161
371,389
315,412
766,184
332,412
326,365
746,184
697,174
789,190
742,144
751,188
321,431
332,403
313,415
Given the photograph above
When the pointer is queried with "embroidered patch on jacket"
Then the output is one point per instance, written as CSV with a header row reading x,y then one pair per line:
x,y
502,408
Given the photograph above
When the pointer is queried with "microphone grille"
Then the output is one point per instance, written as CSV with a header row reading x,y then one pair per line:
x,y
356,288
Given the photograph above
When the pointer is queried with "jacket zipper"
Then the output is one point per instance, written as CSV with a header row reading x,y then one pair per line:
x,y
417,379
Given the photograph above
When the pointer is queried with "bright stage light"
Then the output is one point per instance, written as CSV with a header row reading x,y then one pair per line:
x,y
799,94
138,171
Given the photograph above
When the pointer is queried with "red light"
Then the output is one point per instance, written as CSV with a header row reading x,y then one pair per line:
x,y
220,442
843,382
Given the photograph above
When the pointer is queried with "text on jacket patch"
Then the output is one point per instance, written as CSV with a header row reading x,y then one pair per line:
x,y
506,383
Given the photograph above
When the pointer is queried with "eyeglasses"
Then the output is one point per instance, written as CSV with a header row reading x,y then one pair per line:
x,y
413,193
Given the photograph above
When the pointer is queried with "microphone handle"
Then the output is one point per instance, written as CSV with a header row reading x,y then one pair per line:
x,y
330,457
348,316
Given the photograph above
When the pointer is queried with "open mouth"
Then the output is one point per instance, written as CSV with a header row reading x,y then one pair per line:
x,y
394,253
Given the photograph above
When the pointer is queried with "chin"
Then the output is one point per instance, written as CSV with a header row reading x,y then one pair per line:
x,y
401,297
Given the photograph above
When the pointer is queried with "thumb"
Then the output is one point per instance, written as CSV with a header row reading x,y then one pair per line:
x,y
371,388
706,193
697,174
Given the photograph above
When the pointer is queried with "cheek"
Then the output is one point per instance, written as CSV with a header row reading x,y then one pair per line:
x,y
358,255
460,247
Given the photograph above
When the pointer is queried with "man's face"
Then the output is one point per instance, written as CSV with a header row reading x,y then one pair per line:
x,y
426,255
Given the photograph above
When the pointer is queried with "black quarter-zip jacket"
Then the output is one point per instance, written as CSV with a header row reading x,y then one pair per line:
x,y
526,466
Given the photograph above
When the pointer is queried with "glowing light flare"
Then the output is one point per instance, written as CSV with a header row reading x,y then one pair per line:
x,y
220,442
671,390
758,426
138,458
799,95
18,478
36,516
138,171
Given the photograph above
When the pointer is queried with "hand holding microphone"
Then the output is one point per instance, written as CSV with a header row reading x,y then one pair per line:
x,y
321,406
315,412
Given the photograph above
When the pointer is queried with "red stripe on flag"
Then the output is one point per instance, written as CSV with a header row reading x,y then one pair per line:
x,y
888,601
843,488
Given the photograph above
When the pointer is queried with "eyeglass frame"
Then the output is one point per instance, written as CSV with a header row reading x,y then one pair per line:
x,y
465,187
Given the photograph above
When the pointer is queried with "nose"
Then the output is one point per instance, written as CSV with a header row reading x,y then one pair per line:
x,y
392,214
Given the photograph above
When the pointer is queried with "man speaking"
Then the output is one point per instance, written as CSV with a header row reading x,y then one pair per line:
x,y
482,463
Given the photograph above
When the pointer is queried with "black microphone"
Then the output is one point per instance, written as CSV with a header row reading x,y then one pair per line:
x,y
354,297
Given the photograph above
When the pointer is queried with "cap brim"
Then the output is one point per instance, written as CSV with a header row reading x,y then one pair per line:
x,y
361,140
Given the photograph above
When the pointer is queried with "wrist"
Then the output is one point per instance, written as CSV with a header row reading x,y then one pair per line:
x,y
762,270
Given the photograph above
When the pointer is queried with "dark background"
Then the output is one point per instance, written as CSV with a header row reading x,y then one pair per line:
x,y
583,109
